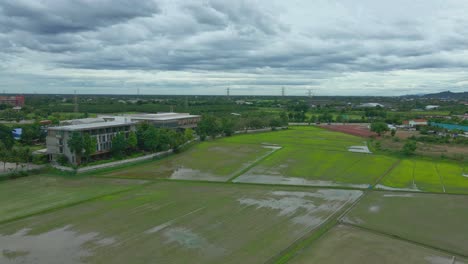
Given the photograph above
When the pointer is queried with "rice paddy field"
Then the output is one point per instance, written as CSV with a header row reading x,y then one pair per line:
x,y
358,246
26,196
431,219
212,161
175,222
293,196
426,175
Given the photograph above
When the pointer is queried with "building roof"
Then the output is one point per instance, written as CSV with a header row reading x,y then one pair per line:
x,y
82,121
157,117
91,126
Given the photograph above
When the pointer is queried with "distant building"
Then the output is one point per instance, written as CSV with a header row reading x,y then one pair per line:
x,y
365,105
104,128
414,123
57,137
431,107
15,101
82,121
161,120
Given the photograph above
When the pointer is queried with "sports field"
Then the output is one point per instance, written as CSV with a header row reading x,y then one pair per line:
x,y
346,244
432,219
174,222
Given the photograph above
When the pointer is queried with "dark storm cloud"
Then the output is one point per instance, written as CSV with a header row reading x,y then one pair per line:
x,y
308,40
57,16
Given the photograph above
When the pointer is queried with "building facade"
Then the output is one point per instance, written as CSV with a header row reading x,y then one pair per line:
x,y
104,129
15,101
160,120
57,138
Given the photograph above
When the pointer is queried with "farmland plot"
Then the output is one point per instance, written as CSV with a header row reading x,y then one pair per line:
x,y
345,244
174,222
432,219
211,161
34,194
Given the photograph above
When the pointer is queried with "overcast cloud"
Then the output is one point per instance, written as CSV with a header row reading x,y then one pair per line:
x,y
334,47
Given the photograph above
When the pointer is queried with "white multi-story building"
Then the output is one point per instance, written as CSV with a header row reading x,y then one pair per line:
x,y
104,128
57,137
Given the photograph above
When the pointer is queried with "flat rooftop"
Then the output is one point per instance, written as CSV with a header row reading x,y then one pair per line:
x,y
158,116
91,126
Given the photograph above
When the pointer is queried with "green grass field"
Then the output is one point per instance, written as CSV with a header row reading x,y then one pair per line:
x,y
26,196
359,246
432,219
212,161
174,222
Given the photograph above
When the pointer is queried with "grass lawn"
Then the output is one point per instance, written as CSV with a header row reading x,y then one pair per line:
x,y
345,244
432,219
213,161
26,196
174,222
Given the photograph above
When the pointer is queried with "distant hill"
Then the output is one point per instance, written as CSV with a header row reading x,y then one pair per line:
x,y
443,95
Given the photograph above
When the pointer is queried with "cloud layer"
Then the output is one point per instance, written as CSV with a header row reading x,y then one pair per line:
x,y
254,47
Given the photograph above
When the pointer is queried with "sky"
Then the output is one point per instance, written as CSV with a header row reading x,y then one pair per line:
x,y
252,47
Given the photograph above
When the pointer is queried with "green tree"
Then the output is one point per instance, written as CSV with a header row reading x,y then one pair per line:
x,y
119,145
76,145
89,146
379,127
3,154
132,141
188,134
150,139
409,148
284,118
6,136
393,132
227,126
208,126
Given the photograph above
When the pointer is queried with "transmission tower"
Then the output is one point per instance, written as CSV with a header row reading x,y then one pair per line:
x,y
282,91
228,90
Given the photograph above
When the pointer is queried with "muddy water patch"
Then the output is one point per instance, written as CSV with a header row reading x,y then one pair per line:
x,y
374,209
191,174
383,187
271,179
406,195
306,208
190,240
440,260
61,245
326,194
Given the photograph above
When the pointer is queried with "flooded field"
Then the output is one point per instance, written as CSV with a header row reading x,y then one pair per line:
x,y
345,244
432,219
34,194
209,161
176,223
